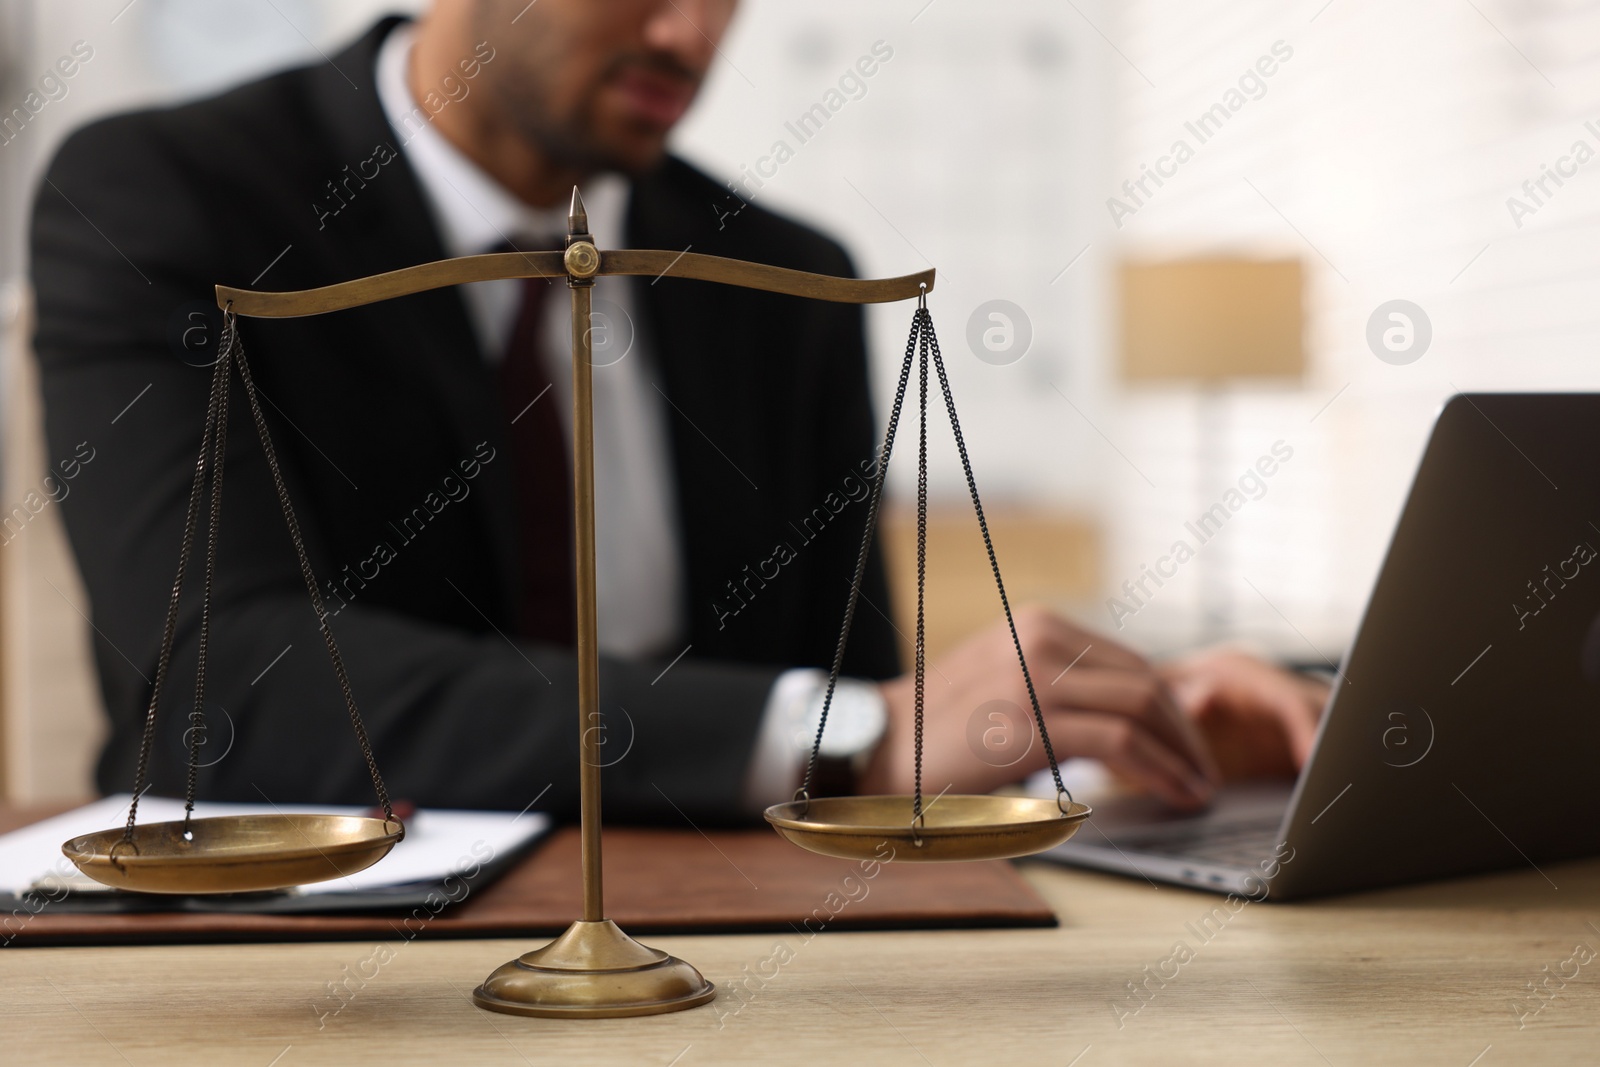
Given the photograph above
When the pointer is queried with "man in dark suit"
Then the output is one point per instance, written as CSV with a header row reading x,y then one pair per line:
x,y
427,463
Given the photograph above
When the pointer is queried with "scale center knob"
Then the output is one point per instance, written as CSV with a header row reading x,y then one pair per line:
x,y
582,259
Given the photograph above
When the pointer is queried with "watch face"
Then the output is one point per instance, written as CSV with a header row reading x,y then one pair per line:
x,y
855,720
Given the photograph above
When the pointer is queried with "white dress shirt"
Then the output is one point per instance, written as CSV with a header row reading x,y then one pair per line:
x,y
639,575
638,562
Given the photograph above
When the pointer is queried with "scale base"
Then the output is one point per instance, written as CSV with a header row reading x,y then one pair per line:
x,y
593,971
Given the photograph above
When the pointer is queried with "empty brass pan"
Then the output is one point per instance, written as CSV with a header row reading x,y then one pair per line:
x,y
951,828
235,854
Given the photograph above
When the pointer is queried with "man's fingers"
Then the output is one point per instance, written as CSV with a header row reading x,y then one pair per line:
x,y
1127,747
1143,698
1300,724
1050,638
1294,702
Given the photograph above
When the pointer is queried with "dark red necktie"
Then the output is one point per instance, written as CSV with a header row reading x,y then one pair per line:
x,y
542,470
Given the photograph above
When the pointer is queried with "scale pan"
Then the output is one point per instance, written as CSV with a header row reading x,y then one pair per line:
x,y
235,854
954,827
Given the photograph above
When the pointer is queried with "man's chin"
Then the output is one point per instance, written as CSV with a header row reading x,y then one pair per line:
x,y
632,153
625,145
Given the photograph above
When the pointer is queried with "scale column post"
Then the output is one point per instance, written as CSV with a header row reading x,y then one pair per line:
x,y
582,261
594,970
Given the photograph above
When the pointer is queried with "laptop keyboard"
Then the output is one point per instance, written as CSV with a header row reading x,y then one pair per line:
x,y
1236,844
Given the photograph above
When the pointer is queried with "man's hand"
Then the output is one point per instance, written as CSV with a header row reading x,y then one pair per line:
x,y
1259,720
1099,700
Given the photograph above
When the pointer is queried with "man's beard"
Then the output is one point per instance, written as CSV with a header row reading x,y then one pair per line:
x,y
519,82
569,144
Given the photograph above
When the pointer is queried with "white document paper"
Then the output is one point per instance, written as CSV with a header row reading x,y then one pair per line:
x,y
438,842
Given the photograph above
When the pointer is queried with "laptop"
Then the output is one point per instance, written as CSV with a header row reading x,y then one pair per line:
x,y
1463,731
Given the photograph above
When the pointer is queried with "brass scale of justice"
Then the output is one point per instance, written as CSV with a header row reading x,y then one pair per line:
x,y
594,969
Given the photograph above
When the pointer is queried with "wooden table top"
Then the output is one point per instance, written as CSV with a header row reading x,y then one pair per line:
x,y
1438,974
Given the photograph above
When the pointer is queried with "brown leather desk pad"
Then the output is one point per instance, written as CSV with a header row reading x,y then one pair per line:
x,y
656,881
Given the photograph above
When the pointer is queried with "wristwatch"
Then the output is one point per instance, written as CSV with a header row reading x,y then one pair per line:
x,y
857,719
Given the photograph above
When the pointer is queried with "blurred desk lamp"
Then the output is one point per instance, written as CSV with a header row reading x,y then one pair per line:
x,y
1212,323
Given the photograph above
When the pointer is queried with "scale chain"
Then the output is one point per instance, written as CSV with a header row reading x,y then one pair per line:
x,y
994,564
923,342
921,673
213,446
170,629
231,328
197,718
861,563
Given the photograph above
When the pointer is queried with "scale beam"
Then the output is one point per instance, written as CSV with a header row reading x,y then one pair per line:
x,y
761,276
498,266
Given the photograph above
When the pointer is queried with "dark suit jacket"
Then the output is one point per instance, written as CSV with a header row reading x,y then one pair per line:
x,y
380,411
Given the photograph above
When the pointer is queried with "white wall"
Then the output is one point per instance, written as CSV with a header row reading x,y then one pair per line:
x,y
1387,148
